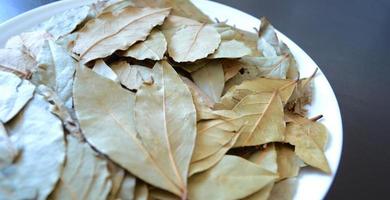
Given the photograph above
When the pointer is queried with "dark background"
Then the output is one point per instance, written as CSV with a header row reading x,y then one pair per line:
x,y
350,41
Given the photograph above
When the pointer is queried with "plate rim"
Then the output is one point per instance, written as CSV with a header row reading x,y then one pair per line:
x,y
68,4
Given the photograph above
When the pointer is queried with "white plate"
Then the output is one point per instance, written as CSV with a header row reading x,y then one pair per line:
x,y
311,183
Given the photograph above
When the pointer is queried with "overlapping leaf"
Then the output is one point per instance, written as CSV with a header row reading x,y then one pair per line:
x,y
233,171
85,175
121,30
153,48
132,76
116,127
15,93
46,138
171,138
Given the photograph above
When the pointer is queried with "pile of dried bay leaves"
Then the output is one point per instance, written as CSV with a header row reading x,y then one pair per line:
x,y
150,99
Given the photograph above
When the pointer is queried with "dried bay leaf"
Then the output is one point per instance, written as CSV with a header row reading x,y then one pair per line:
x,y
284,190
85,174
184,8
64,23
301,96
267,158
104,70
8,151
210,79
116,127
229,180
17,62
117,174
58,108
264,119
269,67
289,163
46,138
270,45
127,189
15,93
231,68
212,135
231,49
202,102
171,138
141,191
121,31
208,162
56,69
309,139
192,43
153,48
235,94
132,76
29,42
173,23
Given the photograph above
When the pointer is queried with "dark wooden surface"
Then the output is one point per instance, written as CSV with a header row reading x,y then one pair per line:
x,y
350,41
